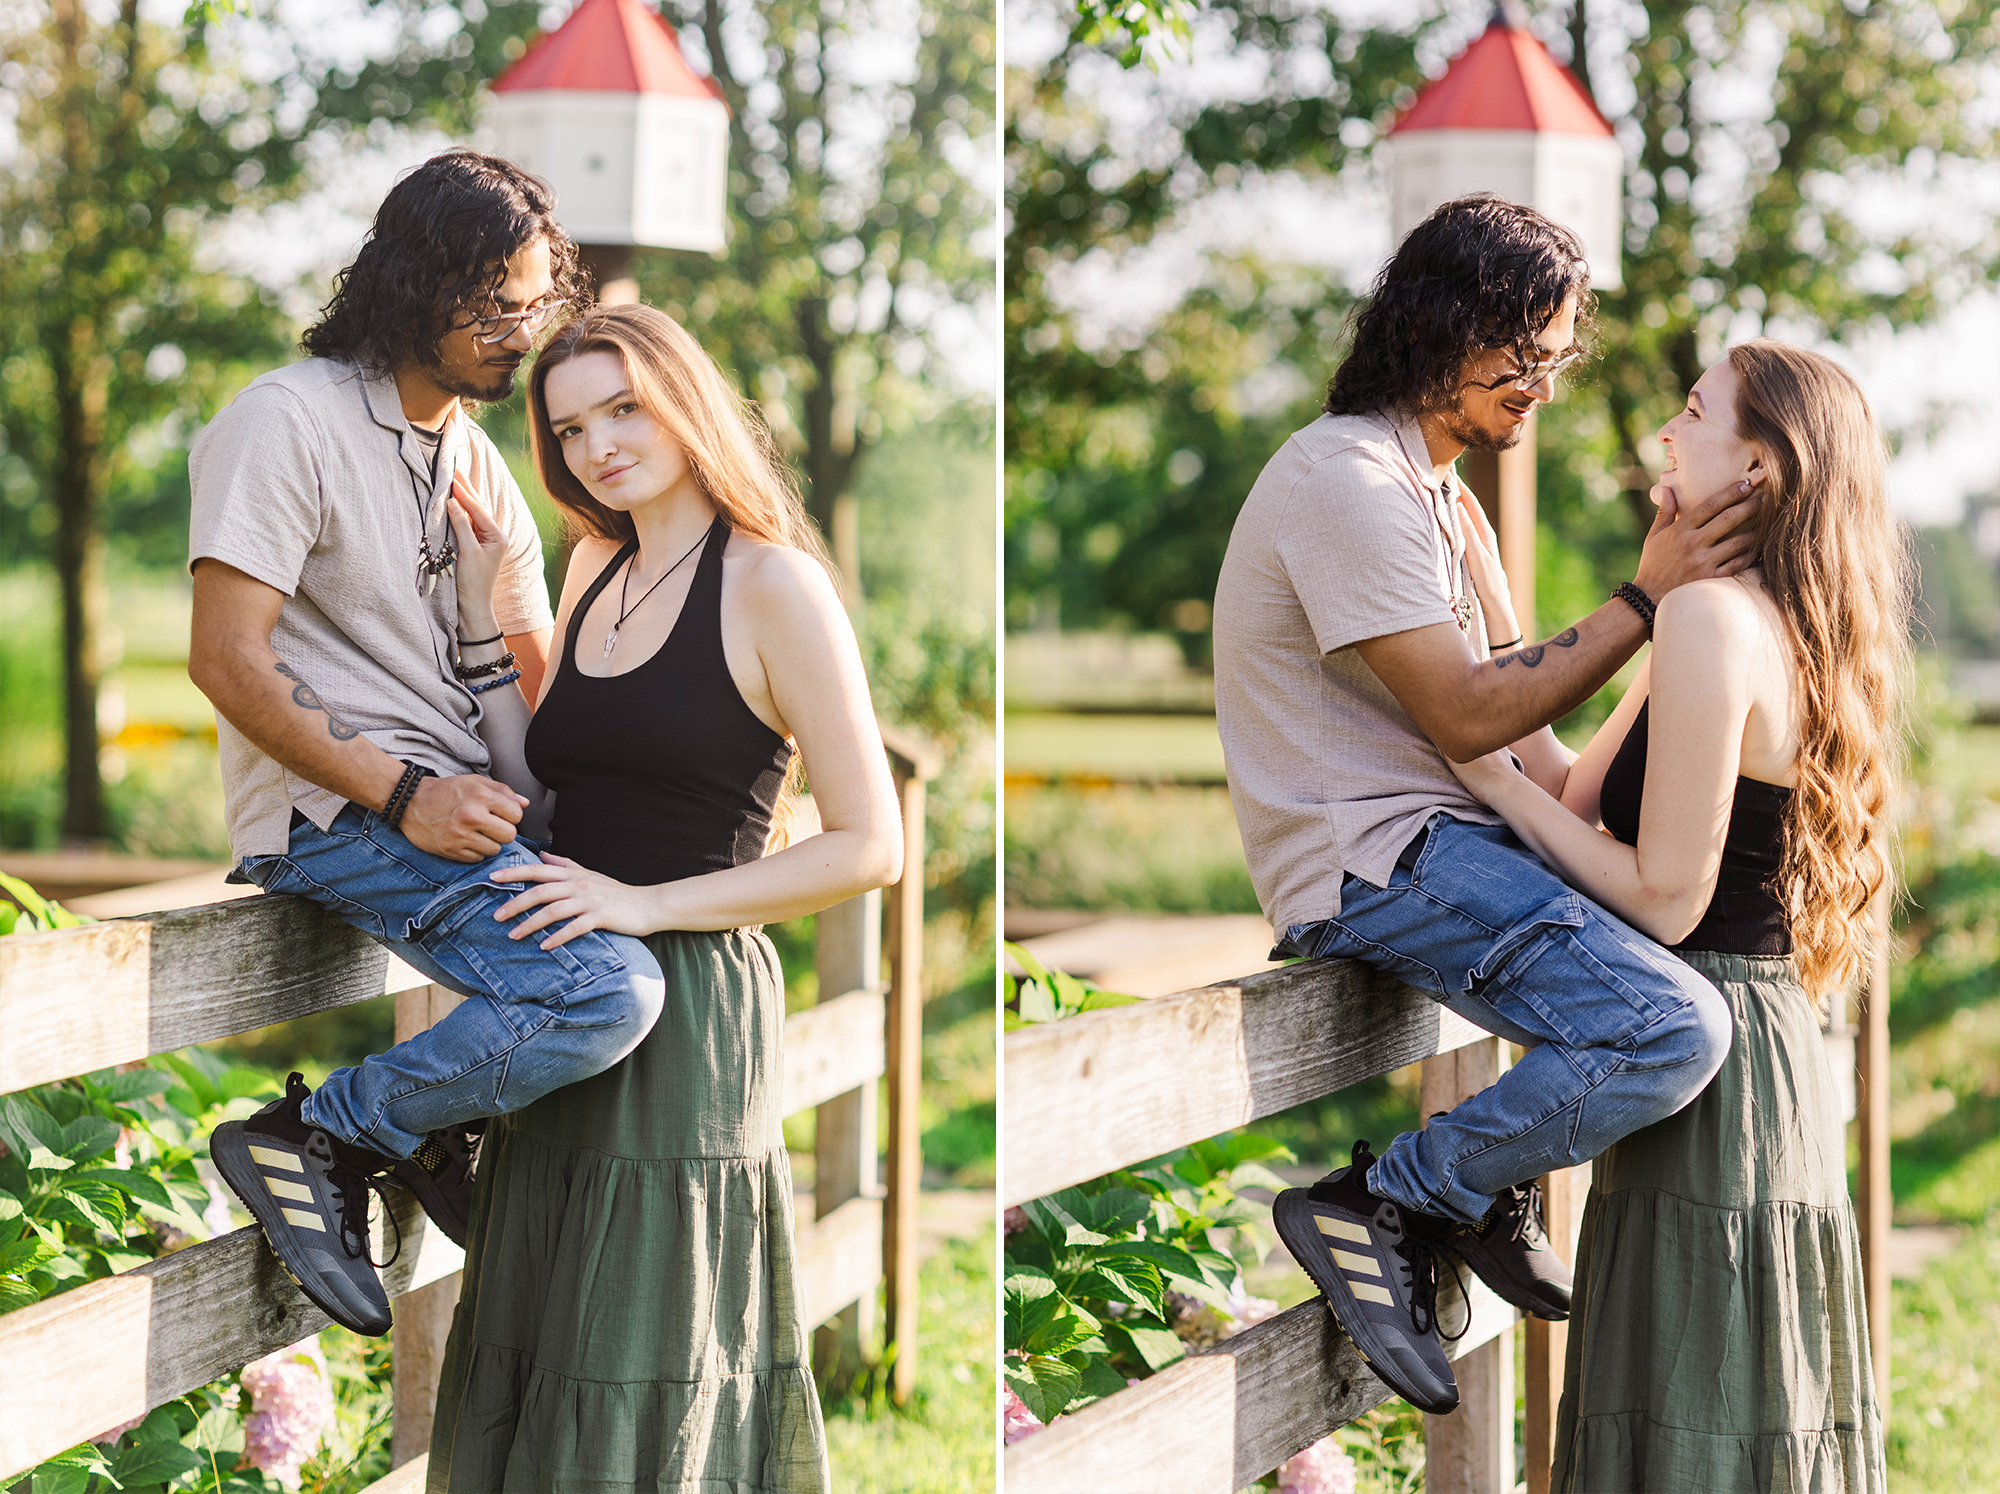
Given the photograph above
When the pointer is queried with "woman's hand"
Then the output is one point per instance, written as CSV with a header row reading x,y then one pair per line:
x,y
482,550
589,900
1489,776
1482,560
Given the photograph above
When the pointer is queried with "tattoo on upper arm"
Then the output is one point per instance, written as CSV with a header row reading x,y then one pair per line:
x,y
304,695
1534,653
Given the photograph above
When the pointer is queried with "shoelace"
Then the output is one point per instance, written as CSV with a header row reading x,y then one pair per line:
x,y
1525,1221
353,1190
1421,1273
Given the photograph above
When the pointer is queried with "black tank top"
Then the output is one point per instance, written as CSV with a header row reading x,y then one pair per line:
x,y
1745,916
662,772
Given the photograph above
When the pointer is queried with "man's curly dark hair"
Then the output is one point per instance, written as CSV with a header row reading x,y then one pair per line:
x,y
438,249
1481,272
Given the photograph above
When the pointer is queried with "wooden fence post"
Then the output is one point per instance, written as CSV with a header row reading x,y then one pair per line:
x,y
906,1066
423,1317
1471,1451
848,956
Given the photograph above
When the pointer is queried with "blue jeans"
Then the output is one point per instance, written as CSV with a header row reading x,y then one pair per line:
x,y
533,1019
1620,1033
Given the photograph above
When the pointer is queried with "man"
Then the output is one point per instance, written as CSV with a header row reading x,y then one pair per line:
x,y
325,615
1351,658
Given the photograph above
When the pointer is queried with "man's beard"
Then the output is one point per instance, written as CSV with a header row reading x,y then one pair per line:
x,y
498,386
1455,423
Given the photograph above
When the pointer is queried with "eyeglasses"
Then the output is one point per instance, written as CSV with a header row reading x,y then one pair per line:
x,y
1529,377
500,328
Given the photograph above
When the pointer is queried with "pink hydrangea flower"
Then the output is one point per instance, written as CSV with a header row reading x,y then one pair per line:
x,y
292,1406
1016,1420
1320,1469
1014,1220
107,1438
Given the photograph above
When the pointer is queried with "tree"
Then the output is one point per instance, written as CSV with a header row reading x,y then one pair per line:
x,y
131,142
853,197
1735,222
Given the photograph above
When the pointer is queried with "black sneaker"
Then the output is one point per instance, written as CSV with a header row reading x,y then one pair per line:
x,y
1509,1251
440,1172
309,1191
1376,1263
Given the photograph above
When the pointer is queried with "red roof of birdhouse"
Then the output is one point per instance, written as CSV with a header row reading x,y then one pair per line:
x,y
1506,80
609,46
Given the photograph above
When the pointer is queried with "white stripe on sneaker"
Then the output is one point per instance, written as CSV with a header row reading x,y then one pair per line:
x,y
308,1221
269,1158
1365,1264
305,1195
1368,1292
1341,1229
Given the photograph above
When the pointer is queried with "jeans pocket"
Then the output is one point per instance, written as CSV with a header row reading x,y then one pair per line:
x,y
1514,957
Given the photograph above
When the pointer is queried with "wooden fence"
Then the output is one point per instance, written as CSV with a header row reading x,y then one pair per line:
x,y
1110,1088
80,999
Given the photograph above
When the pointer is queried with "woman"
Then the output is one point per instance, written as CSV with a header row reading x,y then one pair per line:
x,y
1719,1339
629,1319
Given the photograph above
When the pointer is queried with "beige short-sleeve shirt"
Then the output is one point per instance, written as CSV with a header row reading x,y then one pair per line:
x,y
1344,537
312,482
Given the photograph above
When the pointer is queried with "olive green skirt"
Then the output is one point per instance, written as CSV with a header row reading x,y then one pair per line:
x,y
1719,1339
629,1319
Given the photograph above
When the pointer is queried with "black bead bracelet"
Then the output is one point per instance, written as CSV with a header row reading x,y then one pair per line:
x,y
1639,602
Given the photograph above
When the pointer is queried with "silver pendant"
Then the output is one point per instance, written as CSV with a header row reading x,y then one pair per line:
x,y
610,642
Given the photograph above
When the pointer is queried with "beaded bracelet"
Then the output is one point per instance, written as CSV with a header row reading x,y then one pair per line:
x,y
400,796
506,679
479,671
1639,602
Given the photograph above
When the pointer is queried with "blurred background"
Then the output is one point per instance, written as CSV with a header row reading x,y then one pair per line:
x,y
1195,198
177,190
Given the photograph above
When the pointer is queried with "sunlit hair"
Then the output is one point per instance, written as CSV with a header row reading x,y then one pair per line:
x,y
727,446
1838,567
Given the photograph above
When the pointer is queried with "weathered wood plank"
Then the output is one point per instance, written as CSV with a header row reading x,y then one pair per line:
x,y
1220,1420
73,1000
1083,1096
832,1048
139,1339
839,1259
408,1479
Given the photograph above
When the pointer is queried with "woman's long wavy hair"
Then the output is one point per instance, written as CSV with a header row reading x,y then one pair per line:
x,y
438,249
1838,567
1480,272
727,446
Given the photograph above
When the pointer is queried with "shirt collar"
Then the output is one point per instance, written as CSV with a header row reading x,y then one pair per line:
x,y
385,407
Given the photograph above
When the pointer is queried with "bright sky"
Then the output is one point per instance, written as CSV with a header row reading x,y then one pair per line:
x,y
1936,388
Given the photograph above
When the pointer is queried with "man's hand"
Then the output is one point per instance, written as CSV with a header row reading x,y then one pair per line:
x,y
1714,538
466,817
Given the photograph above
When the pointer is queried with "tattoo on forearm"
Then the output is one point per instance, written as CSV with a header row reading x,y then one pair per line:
x,y
1533,654
304,695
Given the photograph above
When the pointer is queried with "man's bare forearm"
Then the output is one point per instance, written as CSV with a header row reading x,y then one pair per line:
x,y
1517,693
266,700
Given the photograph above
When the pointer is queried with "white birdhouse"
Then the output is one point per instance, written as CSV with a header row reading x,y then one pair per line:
x,y
1506,117
607,111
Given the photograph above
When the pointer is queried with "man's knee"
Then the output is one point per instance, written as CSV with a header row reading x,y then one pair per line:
x,y
612,1014
1687,1045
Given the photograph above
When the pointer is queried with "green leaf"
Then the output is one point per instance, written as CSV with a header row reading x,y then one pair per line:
x,y
88,1136
1037,1005
1046,1386
239,1082
1152,1345
136,1084
1098,1379
41,1159
98,1205
203,1088
15,1294
154,1461
1026,961
25,1255
1095,1000
1039,1319
1126,1280
126,1180
10,1207
25,1125
61,1478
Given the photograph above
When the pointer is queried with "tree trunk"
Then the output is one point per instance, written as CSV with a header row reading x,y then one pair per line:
x,y
832,447
80,392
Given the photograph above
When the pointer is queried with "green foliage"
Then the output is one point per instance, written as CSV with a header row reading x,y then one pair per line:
x,y
1942,1433
1129,456
25,911
1089,1269
1149,31
1050,995
1152,848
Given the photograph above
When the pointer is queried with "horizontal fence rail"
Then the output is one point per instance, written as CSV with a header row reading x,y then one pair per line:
x,y
1224,1418
1112,1087
74,1000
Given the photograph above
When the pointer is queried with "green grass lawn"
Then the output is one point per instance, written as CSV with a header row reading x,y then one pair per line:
x,y
1162,748
942,1441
